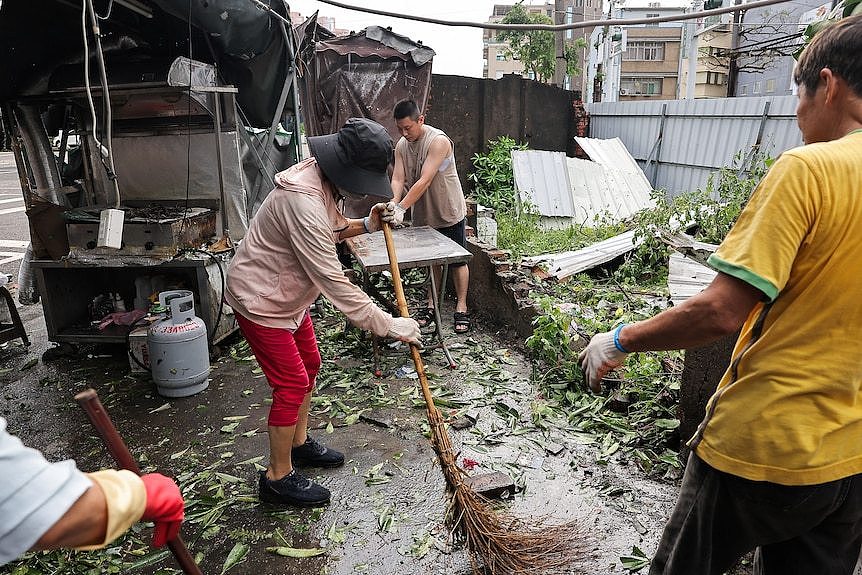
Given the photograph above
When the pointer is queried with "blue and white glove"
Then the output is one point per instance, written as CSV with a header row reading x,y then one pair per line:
x,y
603,354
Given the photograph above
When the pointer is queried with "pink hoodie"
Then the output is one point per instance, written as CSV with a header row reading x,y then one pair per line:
x,y
288,257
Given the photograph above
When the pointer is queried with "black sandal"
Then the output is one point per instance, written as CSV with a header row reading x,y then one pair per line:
x,y
424,317
462,322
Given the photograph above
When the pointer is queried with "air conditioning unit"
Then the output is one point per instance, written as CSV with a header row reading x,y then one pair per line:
x,y
624,91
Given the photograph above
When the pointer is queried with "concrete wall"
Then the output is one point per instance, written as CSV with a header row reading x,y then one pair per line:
x,y
498,296
701,373
474,110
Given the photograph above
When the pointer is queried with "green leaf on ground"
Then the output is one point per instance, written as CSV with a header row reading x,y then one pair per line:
x,y
237,555
296,552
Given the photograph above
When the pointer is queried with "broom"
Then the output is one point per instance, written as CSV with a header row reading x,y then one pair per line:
x,y
500,543
90,403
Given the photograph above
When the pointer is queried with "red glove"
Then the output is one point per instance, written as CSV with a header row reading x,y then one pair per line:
x,y
164,507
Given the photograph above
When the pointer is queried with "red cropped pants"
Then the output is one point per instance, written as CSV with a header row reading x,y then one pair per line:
x,y
290,361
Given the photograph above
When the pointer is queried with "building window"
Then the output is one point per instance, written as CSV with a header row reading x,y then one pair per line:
x,y
711,51
743,90
640,86
501,56
716,78
770,86
756,87
646,51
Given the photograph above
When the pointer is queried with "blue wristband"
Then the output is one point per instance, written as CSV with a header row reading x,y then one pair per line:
x,y
365,221
617,343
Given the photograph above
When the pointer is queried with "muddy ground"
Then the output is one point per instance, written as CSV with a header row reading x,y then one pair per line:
x,y
388,501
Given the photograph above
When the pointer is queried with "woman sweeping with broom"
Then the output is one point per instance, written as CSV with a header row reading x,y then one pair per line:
x,y
286,260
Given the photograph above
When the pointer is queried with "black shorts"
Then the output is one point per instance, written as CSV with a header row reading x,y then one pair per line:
x,y
458,234
797,529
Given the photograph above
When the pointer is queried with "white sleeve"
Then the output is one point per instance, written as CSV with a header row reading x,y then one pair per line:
x,y
34,494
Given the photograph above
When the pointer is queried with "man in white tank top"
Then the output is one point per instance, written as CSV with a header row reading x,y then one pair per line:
x,y
425,178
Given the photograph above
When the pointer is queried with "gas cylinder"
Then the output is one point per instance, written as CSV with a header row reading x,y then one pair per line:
x,y
178,349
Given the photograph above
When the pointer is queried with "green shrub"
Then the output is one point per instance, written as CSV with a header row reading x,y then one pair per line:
x,y
492,178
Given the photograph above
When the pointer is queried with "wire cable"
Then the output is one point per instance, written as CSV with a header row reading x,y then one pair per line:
x,y
223,285
87,6
108,13
548,27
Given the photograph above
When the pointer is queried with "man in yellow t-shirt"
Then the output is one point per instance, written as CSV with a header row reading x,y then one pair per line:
x,y
776,463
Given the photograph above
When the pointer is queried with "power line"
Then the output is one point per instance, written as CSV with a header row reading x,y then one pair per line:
x,y
547,27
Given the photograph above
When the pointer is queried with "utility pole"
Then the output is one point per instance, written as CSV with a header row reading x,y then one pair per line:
x,y
733,64
691,77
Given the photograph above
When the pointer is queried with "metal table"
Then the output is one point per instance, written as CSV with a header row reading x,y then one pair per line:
x,y
420,247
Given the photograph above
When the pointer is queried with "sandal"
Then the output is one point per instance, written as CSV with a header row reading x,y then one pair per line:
x,y
424,317
462,322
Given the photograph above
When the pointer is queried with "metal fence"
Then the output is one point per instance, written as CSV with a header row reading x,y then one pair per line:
x,y
678,143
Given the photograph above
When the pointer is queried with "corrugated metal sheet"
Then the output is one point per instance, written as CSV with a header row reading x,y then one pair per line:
x,y
599,190
610,153
580,190
686,277
565,264
542,179
700,136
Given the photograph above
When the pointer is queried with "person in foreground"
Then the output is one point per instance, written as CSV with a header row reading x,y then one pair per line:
x,y
776,463
286,260
51,505
425,179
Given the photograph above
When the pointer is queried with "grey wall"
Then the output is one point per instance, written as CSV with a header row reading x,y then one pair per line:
x,y
474,110
698,136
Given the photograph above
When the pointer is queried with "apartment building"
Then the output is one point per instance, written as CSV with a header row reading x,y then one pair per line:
x,y
636,62
496,57
712,40
768,36
569,12
499,62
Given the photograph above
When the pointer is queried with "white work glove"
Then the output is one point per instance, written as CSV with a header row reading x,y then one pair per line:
x,y
372,221
601,355
405,329
393,214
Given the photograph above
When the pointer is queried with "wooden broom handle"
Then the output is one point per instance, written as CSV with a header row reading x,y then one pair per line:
x,y
402,307
89,401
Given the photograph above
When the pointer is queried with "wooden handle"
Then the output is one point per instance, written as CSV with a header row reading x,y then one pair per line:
x,y
402,307
89,401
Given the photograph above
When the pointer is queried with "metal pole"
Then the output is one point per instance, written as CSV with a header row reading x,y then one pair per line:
x,y
224,219
90,403
733,65
691,77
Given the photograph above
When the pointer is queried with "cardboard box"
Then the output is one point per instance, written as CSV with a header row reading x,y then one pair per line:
x,y
138,347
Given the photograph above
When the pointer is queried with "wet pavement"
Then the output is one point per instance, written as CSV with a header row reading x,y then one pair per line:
x,y
388,503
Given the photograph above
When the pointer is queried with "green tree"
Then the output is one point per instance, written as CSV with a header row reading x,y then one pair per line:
x,y
535,48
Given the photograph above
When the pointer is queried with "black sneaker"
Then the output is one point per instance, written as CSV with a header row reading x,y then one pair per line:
x,y
292,489
312,453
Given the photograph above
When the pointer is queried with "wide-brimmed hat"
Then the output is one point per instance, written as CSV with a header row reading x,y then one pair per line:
x,y
356,158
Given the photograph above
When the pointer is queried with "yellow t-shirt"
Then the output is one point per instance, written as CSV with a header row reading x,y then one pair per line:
x,y
789,408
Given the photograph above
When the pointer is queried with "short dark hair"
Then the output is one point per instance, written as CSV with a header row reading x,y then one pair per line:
x,y
838,48
406,108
